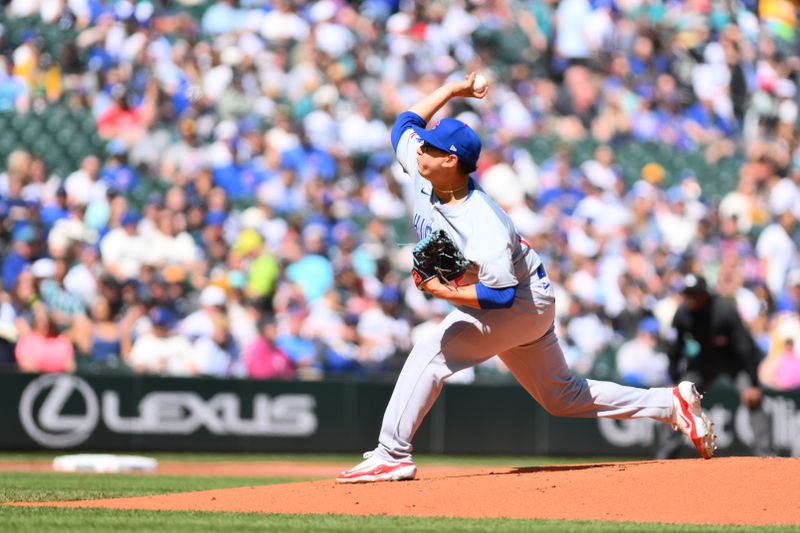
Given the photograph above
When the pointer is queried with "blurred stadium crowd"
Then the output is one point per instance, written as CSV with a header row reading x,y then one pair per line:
x,y
208,188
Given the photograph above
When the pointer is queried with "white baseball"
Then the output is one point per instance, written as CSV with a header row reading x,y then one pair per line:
x,y
480,82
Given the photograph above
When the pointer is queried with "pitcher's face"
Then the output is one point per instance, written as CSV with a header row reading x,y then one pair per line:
x,y
430,159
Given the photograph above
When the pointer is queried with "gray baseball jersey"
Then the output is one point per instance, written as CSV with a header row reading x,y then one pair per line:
x,y
523,336
480,228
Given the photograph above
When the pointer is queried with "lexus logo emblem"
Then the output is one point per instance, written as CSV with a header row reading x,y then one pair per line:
x,y
52,427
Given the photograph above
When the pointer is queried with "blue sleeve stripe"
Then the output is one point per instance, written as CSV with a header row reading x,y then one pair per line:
x,y
404,121
489,298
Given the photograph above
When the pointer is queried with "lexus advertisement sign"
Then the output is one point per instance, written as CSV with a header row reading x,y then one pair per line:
x,y
43,413
93,413
62,411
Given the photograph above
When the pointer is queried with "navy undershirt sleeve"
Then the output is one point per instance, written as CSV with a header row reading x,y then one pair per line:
x,y
489,298
404,121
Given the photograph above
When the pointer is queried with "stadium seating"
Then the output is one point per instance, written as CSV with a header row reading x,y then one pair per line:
x,y
60,136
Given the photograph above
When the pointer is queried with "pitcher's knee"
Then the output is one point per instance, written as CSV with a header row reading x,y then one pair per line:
x,y
565,400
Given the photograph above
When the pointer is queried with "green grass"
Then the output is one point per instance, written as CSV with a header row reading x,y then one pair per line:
x,y
55,520
46,486
61,486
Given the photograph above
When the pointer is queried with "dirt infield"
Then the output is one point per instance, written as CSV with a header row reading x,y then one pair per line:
x,y
732,490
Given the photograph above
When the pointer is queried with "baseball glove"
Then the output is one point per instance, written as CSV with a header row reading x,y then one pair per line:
x,y
437,255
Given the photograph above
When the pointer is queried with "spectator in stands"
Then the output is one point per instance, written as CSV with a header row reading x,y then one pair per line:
x,y
381,331
571,43
84,185
41,348
744,204
20,256
14,92
168,243
780,369
332,330
284,193
63,305
304,353
223,17
14,179
82,277
185,157
123,119
207,230
104,339
639,362
161,350
201,323
262,358
116,173
16,314
219,354
260,267
775,247
8,340
790,299
313,272
40,188
309,161
279,108
123,250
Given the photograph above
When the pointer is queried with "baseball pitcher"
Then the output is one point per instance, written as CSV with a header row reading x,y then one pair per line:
x,y
471,255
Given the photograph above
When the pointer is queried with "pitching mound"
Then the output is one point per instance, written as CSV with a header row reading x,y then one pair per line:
x,y
732,490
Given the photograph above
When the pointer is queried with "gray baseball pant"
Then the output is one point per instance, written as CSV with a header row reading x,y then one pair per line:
x,y
524,338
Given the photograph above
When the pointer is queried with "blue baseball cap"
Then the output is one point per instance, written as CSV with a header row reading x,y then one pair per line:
x,y
215,218
454,137
162,317
390,294
649,325
129,218
24,233
116,147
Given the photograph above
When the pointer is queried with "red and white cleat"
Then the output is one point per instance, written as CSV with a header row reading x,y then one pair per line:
x,y
374,469
690,419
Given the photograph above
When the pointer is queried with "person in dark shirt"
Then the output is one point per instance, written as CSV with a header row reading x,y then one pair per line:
x,y
20,257
711,342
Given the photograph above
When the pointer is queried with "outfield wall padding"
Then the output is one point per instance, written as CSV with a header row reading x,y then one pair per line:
x,y
133,414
